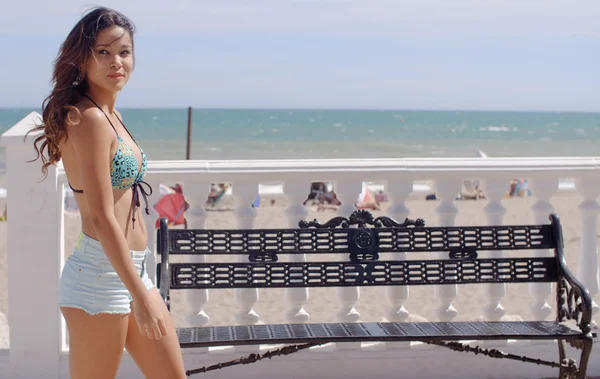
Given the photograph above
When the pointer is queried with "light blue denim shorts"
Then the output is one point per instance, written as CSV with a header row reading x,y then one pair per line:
x,y
90,282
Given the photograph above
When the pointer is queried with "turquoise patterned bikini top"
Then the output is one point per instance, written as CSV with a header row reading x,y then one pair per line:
x,y
124,167
124,171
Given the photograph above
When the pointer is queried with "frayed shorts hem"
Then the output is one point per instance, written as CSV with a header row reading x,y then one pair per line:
x,y
100,312
122,311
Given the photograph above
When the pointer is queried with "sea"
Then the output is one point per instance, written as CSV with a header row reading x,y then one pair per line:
x,y
221,134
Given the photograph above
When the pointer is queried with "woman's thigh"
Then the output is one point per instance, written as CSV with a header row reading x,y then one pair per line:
x,y
95,343
156,358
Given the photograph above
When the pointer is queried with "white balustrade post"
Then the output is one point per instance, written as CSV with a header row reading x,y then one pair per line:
x,y
296,192
447,189
195,193
60,197
542,189
399,190
35,245
246,298
495,211
347,192
150,222
587,269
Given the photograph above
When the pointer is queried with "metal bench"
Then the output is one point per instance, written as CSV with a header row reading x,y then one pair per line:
x,y
364,239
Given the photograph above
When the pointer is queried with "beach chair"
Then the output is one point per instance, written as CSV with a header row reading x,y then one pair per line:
x,y
217,193
367,202
519,188
317,191
172,207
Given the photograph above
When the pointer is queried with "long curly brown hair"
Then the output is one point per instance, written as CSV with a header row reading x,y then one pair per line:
x,y
58,109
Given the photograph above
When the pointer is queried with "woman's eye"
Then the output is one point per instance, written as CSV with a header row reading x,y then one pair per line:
x,y
125,52
103,52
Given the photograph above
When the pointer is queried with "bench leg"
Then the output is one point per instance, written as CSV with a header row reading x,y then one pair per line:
x,y
586,349
562,359
585,357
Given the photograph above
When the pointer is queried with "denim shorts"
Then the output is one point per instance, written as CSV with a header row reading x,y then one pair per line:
x,y
89,281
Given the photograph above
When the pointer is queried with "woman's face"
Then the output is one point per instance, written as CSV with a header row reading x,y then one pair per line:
x,y
111,62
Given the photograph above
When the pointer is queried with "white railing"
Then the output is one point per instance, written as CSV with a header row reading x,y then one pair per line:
x,y
36,243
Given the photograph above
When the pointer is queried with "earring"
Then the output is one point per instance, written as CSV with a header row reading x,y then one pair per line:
x,y
77,81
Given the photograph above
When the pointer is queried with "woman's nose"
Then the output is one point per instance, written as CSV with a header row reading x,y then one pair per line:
x,y
115,62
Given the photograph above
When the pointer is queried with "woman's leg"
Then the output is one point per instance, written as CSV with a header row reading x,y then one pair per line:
x,y
156,358
95,343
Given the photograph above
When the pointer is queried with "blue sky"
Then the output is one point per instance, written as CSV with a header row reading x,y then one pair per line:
x,y
379,54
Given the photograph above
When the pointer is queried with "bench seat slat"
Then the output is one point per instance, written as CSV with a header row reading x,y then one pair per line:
x,y
372,332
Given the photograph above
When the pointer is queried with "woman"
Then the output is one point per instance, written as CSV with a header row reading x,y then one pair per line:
x,y
105,295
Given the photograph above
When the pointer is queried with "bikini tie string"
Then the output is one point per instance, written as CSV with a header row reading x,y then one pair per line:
x,y
137,188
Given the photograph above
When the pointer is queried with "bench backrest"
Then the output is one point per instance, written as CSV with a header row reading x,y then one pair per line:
x,y
360,239
362,266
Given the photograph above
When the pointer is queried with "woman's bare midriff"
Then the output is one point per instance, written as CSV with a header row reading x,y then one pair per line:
x,y
136,236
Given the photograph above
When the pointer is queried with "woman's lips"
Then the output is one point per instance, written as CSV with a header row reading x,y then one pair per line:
x,y
115,76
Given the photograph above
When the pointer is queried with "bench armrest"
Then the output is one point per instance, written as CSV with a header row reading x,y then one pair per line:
x,y
163,249
574,301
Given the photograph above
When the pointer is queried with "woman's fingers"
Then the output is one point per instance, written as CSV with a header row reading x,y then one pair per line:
x,y
142,329
146,330
157,332
163,327
154,330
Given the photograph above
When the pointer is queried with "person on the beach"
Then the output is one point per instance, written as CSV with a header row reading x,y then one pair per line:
x,y
105,295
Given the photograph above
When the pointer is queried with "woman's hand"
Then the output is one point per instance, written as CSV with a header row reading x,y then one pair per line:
x,y
149,317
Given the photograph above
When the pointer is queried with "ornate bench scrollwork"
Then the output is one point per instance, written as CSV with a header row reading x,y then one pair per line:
x,y
363,242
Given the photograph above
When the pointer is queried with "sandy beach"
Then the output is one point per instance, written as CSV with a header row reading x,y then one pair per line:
x,y
373,304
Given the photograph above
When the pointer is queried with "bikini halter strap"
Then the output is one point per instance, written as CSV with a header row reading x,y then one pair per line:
x,y
105,115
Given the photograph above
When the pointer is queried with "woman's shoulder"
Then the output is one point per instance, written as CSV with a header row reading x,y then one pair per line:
x,y
89,114
90,122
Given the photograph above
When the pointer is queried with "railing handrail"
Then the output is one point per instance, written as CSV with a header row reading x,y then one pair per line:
x,y
481,167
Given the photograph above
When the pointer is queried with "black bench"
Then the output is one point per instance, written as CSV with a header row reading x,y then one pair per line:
x,y
364,239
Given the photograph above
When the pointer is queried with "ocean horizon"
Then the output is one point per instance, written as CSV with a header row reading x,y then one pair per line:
x,y
224,133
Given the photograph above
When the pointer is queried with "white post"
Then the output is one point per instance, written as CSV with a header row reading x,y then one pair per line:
x,y
196,193
33,263
543,189
246,298
150,222
296,192
399,190
347,192
60,197
447,189
494,192
398,295
587,270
